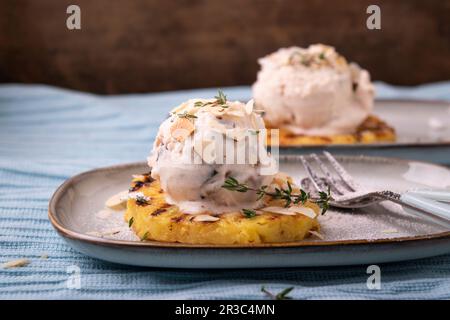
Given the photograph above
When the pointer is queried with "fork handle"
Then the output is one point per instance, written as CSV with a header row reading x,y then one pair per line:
x,y
436,208
438,195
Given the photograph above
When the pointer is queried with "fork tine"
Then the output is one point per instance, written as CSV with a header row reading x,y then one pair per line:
x,y
314,178
332,182
343,174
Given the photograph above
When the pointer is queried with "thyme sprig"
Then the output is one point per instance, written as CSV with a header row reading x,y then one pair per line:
x,y
221,101
285,194
324,200
221,98
186,115
283,295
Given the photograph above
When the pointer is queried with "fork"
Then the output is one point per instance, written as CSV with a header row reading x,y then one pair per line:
x,y
347,193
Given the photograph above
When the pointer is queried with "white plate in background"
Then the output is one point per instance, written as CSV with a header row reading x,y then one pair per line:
x,y
422,128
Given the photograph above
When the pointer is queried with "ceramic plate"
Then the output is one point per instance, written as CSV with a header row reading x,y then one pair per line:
x,y
423,132
378,234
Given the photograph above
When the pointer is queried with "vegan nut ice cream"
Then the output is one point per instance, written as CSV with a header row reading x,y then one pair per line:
x,y
313,91
203,142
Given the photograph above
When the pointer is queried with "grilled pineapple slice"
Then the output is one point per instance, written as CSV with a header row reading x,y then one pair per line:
x,y
153,219
372,130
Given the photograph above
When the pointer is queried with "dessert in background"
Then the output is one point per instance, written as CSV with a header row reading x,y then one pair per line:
x,y
315,96
198,197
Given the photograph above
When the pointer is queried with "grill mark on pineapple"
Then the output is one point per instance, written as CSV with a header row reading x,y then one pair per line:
x,y
162,208
141,202
158,212
148,178
137,185
178,219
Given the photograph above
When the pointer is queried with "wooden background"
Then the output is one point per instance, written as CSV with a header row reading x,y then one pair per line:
x,y
153,45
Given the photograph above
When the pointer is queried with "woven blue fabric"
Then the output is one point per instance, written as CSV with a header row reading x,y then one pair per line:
x,y
48,134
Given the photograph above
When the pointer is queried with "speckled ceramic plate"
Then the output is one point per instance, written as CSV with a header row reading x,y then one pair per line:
x,y
378,234
422,127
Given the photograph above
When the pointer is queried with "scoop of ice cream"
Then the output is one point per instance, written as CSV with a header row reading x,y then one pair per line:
x,y
313,91
203,142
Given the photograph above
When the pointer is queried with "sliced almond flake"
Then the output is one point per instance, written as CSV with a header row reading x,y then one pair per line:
x,y
205,217
235,113
158,140
279,210
280,179
217,111
94,234
249,107
110,232
101,234
135,195
181,129
291,211
16,263
180,134
117,201
317,234
390,231
304,211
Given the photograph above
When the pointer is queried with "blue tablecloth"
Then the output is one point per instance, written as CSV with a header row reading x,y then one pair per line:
x,y
48,134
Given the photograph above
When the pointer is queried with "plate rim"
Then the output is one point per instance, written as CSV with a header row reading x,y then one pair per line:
x,y
383,145
71,234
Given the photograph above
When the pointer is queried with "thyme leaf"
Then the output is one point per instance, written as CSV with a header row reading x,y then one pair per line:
x,y
142,200
248,213
283,295
285,194
324,199
144,237
186,115
233,185
221,98
221,101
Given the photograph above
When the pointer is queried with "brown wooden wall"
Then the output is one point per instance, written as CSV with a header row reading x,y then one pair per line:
x,y
152,45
